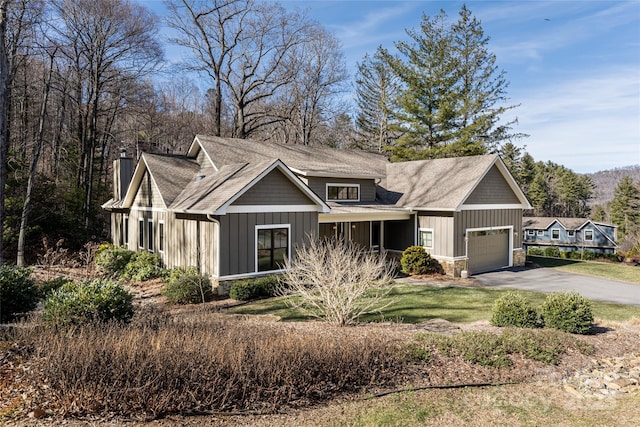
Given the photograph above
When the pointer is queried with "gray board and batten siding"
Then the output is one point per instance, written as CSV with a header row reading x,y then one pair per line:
x,y
319,186
483,219
274,189
493,189
237,237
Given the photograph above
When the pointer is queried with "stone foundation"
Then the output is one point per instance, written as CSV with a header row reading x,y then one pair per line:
x,y
519,257
452,268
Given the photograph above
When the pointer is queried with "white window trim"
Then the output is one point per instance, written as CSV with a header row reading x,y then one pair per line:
x,y
531,232
420,230
341,184
163,236
141,225
540,233
255,251
552,231
150,237
584,235
571,233
125,230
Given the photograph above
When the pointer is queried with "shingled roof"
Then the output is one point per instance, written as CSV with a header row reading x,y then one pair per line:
x,y
544,222
303,159
439,184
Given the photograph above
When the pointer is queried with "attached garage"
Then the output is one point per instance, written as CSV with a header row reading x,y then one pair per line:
x,y
489,249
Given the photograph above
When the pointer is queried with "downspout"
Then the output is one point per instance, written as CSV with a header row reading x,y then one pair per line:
x,y
216,261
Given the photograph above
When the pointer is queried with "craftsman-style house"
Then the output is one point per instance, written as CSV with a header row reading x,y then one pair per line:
x,y
238,208
569,234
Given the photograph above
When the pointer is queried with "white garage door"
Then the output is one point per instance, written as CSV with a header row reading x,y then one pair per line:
x,y
488,250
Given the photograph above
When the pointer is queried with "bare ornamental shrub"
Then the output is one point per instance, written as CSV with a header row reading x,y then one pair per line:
x,y
337,281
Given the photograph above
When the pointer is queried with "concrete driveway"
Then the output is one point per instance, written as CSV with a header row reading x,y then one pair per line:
x,y
549,280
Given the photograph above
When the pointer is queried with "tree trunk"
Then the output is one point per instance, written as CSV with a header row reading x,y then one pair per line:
x,y
37,148
4,103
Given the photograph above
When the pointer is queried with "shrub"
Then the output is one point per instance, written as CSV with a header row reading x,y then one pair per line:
x,y
512,309
143,266
416,260
336,281
187,286
552,251
49,286
97,300
568,312
261,287
18,292
112,260
535,251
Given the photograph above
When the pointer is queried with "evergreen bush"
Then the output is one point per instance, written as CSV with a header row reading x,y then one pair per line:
x,y
187,286
49,286
18,292
535,252
98,300
111,260
416,260
143,266
261,287
552,251
512,309
568,312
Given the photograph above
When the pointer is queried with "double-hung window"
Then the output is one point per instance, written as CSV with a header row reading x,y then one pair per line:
x,y
588,235
272,246
141,233
161,236
426,238
150,235
555,234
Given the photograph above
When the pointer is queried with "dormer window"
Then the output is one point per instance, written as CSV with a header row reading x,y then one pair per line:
x,y
343,192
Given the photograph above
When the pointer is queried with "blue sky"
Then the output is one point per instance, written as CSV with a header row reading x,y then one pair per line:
x,y
573,66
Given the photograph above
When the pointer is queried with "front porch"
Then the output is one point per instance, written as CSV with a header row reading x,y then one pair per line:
x,y
374,228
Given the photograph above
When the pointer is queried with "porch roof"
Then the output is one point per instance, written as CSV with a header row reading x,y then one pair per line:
x,y
363,212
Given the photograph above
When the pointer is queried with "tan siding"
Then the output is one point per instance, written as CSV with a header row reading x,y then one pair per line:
x,y
493,189
486,218
274,189
237,236
206,167
367,187
442,226
148,194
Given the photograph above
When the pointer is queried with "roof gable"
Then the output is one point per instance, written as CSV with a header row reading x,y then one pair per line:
x,y
446,184
492,189
168,174
214,194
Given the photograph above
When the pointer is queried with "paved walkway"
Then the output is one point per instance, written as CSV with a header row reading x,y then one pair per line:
x,y
549,280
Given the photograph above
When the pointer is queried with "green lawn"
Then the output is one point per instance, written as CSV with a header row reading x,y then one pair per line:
x,y
607,270
417,303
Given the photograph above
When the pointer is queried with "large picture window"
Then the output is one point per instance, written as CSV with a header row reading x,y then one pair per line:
x,y
343,192
272,247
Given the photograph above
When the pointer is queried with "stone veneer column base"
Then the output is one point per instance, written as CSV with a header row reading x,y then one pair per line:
x,y
519,257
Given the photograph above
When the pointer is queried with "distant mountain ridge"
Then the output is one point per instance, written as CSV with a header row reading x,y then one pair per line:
x,y
606,181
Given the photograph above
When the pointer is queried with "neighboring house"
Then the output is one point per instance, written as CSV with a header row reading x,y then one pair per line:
x,y
238,208
569,234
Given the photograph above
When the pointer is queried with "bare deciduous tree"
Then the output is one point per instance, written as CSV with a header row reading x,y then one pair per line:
x,y
337,281
4,105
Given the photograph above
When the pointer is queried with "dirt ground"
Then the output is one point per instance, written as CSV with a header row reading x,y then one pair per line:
x,y
525,378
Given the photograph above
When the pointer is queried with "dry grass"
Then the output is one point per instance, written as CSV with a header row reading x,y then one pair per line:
x,y
160,365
